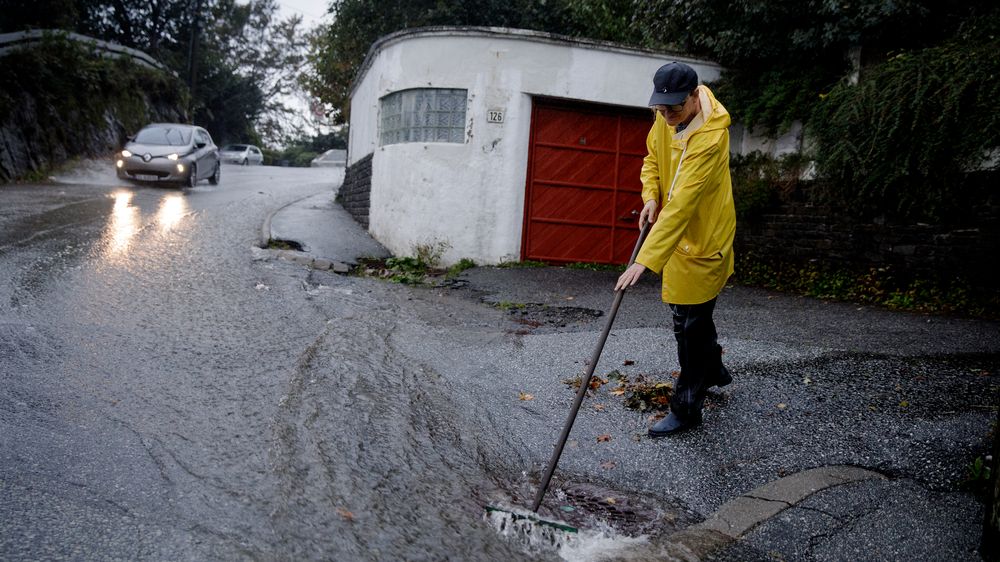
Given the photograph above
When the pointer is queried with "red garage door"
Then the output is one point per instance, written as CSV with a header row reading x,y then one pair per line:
x,y
583,190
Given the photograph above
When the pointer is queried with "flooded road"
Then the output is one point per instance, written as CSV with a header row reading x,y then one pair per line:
x,y
170,391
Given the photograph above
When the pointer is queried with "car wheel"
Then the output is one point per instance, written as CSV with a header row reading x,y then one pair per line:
x,y
214,180
193,176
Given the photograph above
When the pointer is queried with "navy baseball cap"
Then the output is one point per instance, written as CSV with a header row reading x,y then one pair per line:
x,y
672,83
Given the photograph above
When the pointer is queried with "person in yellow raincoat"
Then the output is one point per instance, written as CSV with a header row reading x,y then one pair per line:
x,y
688,198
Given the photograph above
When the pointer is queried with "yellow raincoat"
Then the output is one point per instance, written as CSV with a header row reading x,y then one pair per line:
x,y
687,174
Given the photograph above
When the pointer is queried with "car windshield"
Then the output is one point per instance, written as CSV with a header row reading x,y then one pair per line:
x,y
170,136
235,148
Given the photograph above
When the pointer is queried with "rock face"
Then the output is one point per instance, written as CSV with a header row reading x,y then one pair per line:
x,y
28,148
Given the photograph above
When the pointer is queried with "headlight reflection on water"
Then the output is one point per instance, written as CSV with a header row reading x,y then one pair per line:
x,y
123,223
172,209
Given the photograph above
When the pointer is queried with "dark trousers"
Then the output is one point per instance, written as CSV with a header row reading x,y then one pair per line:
x,y
700,356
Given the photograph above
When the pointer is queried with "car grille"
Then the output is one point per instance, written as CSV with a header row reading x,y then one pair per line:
x,y
158,174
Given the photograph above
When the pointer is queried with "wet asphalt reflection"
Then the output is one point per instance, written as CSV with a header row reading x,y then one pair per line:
x,y
169,391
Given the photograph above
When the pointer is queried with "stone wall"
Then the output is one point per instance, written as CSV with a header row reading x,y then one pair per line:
x,y
355,192
27,148
801,232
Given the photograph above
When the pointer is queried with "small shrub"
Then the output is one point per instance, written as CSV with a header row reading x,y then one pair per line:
x,y
458,268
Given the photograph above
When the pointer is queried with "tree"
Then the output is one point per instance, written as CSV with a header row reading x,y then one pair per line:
x,y
337,51
247,60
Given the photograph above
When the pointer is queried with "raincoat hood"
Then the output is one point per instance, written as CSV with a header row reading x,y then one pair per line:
x,y
712,116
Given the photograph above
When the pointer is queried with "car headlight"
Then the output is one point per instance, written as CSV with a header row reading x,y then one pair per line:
x,y
126,154
172,157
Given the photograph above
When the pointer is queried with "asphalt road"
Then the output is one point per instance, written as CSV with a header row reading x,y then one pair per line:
x,y
170,391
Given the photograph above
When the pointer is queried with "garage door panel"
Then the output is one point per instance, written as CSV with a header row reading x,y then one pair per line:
x,y
634,132
571,243
625,203
572,204
629,169
625,240
569,128
583,184
574,167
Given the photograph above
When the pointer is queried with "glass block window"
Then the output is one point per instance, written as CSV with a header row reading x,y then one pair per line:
x,y
423,115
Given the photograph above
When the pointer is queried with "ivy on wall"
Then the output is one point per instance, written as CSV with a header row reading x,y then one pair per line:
x,y
919,136
60,96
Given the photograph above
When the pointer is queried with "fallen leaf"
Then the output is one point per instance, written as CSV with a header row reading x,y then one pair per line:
x,y
526,396
782,406
608,465
345,514
611,501
806,380
675,374
603,438
628,362
618,391
904,404
599,407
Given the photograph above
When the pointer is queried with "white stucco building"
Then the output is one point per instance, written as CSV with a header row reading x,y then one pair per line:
x,y
503,144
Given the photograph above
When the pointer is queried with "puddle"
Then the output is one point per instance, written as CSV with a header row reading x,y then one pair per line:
x,y
534,315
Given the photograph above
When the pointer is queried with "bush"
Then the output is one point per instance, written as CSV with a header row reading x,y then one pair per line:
x,y
905,141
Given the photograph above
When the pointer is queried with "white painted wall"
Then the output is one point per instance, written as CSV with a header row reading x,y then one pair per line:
x,y
470,196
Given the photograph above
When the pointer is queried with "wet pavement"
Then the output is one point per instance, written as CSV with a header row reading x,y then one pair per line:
x,y
170,391
909,398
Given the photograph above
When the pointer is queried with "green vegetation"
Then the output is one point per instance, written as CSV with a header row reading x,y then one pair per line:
x,y
875,286
595,266
74,93
456,269
911,139
521,264
301,151
244,59
421,268
760,182
977,477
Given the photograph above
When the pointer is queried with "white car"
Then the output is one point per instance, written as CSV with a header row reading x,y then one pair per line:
x,y
243,154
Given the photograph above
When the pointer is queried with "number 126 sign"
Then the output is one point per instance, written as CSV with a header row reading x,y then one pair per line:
x,y
495,116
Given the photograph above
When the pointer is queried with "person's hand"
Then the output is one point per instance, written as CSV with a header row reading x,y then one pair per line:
x,y
630,277
648,213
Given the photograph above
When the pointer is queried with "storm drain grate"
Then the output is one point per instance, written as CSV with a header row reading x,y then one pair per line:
x,y
586,504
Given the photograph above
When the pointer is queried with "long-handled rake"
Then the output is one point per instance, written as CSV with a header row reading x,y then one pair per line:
x,y
568,426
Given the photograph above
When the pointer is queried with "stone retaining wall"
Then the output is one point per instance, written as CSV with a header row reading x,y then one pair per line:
x,y
800,232
355,193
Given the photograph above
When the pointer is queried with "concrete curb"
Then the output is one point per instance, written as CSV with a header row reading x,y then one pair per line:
x,y
301,258
305,259
740,515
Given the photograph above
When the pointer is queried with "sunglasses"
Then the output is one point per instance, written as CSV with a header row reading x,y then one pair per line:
x,y
671,108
